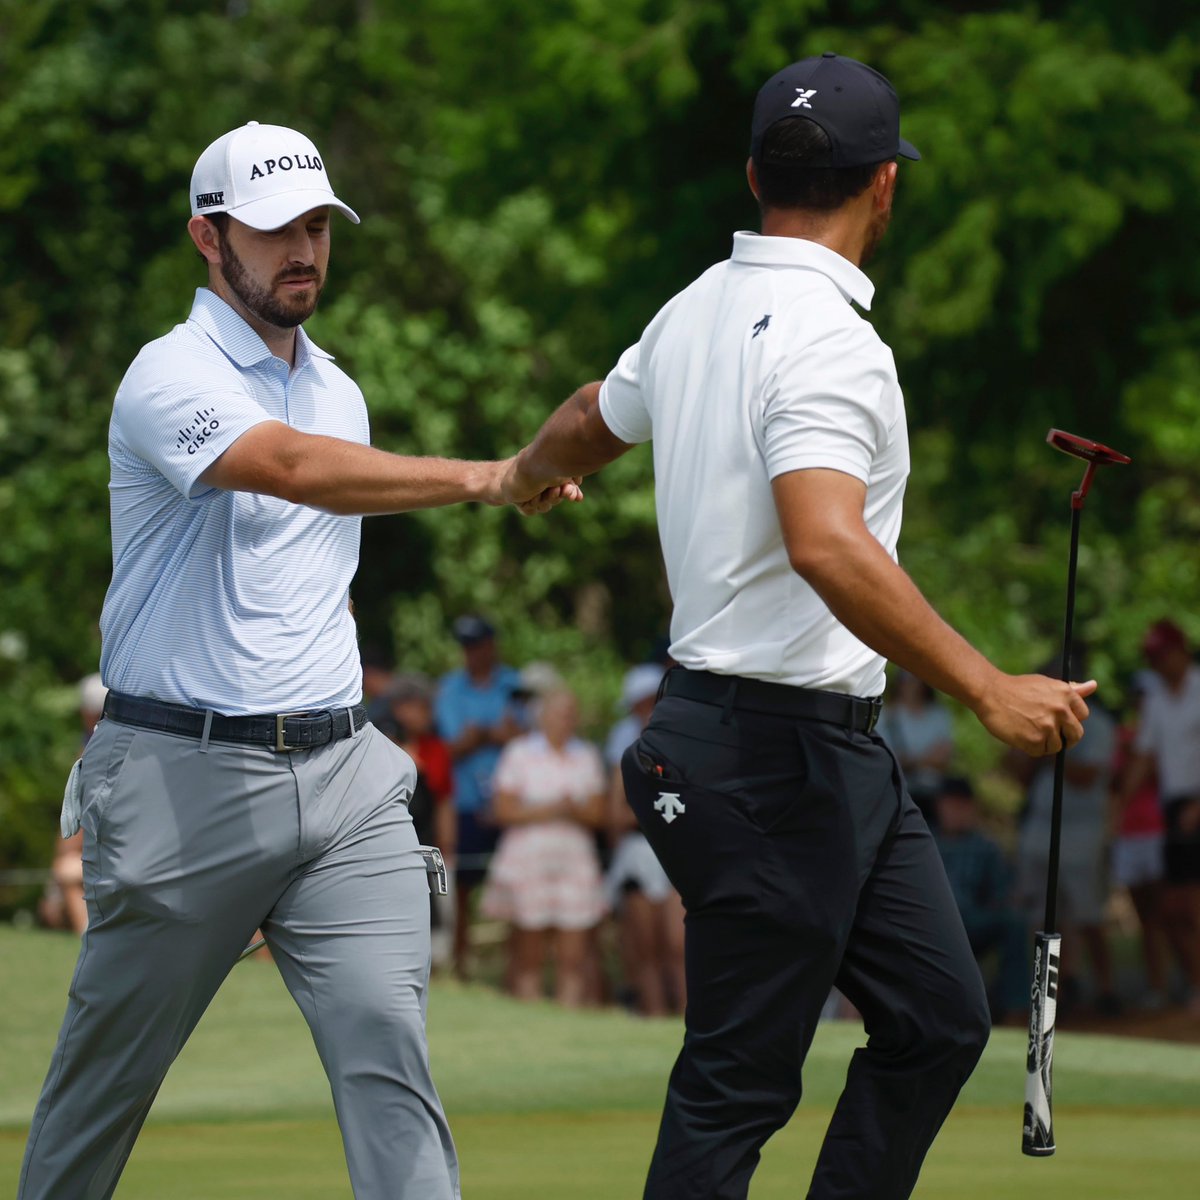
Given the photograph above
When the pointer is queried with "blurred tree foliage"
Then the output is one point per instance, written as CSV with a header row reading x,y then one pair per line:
x,y
536,179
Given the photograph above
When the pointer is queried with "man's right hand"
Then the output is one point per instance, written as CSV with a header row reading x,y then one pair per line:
x,y
509,483
1034,713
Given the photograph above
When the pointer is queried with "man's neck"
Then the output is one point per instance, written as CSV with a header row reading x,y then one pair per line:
x,y
280,342
841,232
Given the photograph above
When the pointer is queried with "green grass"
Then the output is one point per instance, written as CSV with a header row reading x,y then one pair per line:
x,y
565,1104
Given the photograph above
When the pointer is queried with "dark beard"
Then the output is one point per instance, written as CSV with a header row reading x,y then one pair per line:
x,y
261,301
874,237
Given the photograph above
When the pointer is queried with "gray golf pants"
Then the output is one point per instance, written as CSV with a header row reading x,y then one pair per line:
x,y
188,851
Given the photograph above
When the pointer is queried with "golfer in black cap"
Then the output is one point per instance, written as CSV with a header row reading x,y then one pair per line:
x,y
780,456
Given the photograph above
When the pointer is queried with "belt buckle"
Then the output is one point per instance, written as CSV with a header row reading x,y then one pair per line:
x,y
876,708
281,747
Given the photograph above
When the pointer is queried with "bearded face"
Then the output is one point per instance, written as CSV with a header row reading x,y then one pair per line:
x,y
284,298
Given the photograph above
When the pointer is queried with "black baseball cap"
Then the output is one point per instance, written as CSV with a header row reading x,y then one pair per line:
x,y
853,104
471,628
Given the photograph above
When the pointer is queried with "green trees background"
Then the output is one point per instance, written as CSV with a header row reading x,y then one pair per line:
x,y
536,179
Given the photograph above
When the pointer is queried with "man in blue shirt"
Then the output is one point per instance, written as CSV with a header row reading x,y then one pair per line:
x,y
981,881
234,782
477,716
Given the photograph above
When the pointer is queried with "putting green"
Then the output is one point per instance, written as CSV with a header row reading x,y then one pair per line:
x,y
567,1102
602,1156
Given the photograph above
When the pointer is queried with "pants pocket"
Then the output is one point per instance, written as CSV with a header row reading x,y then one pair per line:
x,y
703,840
101,773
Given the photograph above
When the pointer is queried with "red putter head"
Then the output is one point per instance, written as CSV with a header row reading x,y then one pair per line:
x,y
1095,454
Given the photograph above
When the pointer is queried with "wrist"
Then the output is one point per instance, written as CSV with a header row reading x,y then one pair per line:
x,y
485,482
977,687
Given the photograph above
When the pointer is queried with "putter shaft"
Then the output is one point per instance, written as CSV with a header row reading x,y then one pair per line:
x,y
1060,759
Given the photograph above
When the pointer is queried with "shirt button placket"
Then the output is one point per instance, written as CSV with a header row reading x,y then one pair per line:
x,y
285,381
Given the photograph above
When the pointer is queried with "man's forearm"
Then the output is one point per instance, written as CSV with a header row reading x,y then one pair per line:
x,y
874,598
573,442
347,478
829,545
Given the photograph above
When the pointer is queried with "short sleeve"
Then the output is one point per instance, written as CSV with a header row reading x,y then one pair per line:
x,y
181,420
622,404
830,404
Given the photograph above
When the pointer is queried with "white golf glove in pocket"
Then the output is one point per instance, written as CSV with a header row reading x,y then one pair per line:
x,y
72,805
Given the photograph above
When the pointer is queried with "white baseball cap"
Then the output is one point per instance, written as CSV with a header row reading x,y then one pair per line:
x,y
264,176
91,693
640,683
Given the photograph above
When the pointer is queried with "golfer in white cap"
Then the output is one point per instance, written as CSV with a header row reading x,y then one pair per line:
x,y
234,782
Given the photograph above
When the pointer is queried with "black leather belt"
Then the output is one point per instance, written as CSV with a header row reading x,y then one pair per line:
x,y
777,699
275,731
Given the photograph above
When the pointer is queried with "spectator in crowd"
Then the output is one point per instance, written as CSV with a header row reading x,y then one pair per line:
x,y
409,722
981,880
1168,741
917,727
534,680
63,905
476,714
1083,862
548,797
1137,853
377,681
649,911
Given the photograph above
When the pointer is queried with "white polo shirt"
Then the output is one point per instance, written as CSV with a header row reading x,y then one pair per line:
x,y
762,367
1170,731
226,600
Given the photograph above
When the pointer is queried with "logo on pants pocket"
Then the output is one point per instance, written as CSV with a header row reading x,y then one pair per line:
x,y
669,804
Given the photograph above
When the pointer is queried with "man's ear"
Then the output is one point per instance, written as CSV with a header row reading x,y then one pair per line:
x,y
207,239
752,178
884,185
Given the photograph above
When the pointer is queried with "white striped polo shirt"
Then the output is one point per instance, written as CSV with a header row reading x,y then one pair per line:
x,y
225,600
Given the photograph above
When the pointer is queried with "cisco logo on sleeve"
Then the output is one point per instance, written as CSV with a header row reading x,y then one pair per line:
x,y
198,430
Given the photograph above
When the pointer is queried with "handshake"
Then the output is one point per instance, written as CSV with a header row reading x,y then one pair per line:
x,y
529,494
572,443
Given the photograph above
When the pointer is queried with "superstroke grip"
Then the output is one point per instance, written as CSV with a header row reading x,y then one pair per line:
x,y
1037,1135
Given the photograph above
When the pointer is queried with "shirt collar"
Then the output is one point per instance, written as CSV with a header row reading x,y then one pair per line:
x,y
236,338
757,250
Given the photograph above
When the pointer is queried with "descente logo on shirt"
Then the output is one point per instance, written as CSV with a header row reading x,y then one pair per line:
x,y
286,162
198,430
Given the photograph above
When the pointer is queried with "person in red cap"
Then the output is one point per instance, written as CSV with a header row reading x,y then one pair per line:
x,y
1168,742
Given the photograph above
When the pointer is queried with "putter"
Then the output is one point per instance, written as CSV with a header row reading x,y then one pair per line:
x,y
1037,1134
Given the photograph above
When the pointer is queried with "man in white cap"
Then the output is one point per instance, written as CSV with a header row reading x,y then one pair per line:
x,y
234,782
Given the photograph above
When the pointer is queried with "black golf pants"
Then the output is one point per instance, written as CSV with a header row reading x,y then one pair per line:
x,y
802,863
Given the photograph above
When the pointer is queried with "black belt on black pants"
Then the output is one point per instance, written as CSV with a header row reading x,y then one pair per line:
x,y
777,699
275,731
